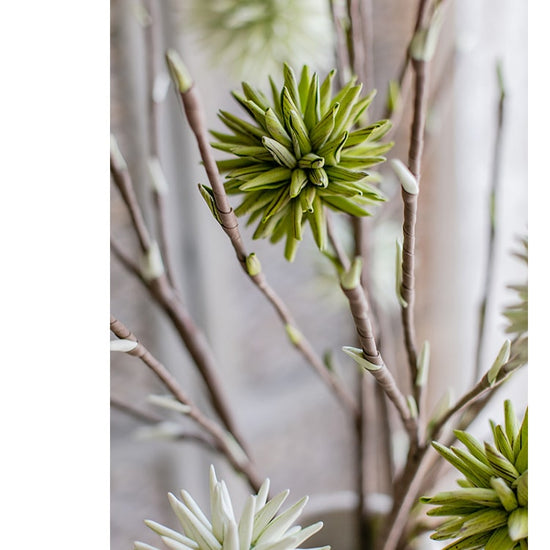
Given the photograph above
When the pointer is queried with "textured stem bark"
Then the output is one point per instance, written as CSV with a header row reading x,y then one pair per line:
x,y
240,463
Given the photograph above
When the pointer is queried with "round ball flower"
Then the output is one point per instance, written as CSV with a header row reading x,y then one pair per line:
x,y
299,154
259,527
252,38
490,509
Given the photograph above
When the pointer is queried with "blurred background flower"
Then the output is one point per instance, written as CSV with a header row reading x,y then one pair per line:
x,y
253,37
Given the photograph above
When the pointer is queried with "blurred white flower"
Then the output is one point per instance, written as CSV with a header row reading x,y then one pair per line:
x,y
252,38
257,527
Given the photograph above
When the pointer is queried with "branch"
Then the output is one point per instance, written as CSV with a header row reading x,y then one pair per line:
x,y
151,418
165,295
195,116
238,460
152,39
490,265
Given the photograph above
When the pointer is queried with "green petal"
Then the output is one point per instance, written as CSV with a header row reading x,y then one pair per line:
x,y
325,92
518,524
303,86
345,205
323,129
274,175
500,540
312,111
276,128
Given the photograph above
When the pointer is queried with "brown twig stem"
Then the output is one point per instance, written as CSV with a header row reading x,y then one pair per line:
x,y
335,243
166,296
122,179
239,461
342,50
153,52
419,463
151,418
195,116
490,262
360,313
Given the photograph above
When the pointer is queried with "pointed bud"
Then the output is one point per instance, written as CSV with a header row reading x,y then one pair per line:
x,y
169,402
357,355
352,278
405,177
178,71
151,263
423,365
294,335
156,174
413,407
123,345
253,265
500,361
116,156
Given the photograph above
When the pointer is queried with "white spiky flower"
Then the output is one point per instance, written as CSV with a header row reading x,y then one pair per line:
x,y
258,527
254,37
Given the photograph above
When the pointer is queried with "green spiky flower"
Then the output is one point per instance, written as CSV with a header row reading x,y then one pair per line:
x,y
490,509
259,526
252,38
300,154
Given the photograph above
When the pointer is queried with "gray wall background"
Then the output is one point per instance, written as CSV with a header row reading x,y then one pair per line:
x,y
299,435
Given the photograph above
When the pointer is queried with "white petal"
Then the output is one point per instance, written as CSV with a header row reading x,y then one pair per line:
x,y
174,544
189,501
307,532
226,501
246,524
261,497
164,531
284,544
277,528
193,526
267,513
231,537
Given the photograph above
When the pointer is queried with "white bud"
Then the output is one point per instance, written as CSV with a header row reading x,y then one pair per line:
x,y
405,176
151,263
116,155
158,181
357,355
123,345
169,402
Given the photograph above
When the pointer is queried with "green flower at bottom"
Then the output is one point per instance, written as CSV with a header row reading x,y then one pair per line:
x,y
490,509
300,154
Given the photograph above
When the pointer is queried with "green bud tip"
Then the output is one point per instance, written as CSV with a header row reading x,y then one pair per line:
x,y
253,265
357,355
500,361
178,71
151,263
351,278
293,334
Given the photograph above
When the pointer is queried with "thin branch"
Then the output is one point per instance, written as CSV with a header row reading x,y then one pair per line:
x,y
153,53
151,418
342,51
121,178
415,471
491,264
126,261
166,296
228,220
335,243
357,48
238,460
367,17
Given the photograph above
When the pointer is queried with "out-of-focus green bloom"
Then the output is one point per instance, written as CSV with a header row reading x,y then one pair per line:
x,y
259,526
252,38
490,509
299,154
517,316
